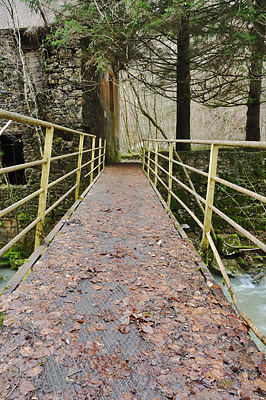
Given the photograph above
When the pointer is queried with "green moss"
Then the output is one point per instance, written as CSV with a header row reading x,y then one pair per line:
x,y
229,245
130,156
2,317
14,257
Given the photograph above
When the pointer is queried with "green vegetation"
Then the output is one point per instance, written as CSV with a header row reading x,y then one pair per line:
x,y
246,169
208,51
14,257
2,317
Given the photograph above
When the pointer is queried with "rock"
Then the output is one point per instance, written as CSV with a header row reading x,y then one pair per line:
x,y
232,268
229,245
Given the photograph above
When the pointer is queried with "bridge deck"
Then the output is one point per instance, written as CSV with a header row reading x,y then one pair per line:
x,y
117,309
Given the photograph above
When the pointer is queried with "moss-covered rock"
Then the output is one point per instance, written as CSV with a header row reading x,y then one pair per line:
x,y
229,245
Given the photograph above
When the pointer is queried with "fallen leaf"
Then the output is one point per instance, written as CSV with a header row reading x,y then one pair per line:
x,y
261,384
147,329
96,287
76,327
262,368
124,328
25,387
125,320
26,351
8,321
80,318
175,347
34,372
173,298
193,375
127,396
101,327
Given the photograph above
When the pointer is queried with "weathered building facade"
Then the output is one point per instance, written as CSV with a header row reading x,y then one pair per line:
x,y
57,85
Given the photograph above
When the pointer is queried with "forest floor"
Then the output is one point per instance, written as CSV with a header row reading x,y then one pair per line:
x,y
118,308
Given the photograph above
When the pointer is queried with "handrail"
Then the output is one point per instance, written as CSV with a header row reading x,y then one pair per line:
x,y
96,156
222,143
37,122
157,171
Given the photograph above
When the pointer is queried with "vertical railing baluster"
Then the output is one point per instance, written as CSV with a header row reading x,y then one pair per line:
x,y
156,164
170,179
104,153
92,159
143,153
39,236
209,196
149,158
100,155
81,141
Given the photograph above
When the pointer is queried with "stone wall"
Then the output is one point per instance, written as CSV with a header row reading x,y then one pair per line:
x,y
53,86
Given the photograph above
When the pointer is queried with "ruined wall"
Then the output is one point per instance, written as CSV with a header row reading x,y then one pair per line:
x,y
55,82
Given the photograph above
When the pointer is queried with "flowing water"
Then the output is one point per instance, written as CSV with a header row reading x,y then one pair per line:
x,y
6,274
252,299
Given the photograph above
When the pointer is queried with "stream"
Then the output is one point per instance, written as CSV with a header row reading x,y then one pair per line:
x,y
252,299
7,273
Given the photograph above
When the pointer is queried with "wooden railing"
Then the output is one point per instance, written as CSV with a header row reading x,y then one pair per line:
x,y
95,164
152,157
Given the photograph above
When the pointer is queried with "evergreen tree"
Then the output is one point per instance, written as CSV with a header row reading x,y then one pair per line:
x,y
209,51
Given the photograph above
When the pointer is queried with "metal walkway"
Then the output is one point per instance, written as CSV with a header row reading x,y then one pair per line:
x,y
118,308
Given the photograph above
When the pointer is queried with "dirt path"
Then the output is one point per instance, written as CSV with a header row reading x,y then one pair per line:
x,y
117,309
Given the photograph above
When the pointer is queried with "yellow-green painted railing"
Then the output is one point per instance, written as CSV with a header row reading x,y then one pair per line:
x,y
96,164
152,166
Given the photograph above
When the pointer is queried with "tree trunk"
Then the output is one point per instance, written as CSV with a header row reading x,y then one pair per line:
x,y
183,85
253,111
255,74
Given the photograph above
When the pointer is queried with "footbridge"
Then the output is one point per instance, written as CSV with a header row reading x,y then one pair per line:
x,y
115,303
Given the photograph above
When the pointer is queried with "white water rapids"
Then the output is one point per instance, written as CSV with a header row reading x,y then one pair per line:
x,y
252,299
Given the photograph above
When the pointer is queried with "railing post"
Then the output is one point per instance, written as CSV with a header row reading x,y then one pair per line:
x,y
156,164
143,154
81,141
209,197
104,153
92,158
170,180
149,158
100,155
44,185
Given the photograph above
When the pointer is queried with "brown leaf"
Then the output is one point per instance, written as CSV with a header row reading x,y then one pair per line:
x,y
127,396
124,328
76,327
3,367
101,327
262,368
91,329
8,321
147,329
26,351
175,347
193,375
80,318
173,298
34,372
96,287
25,387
